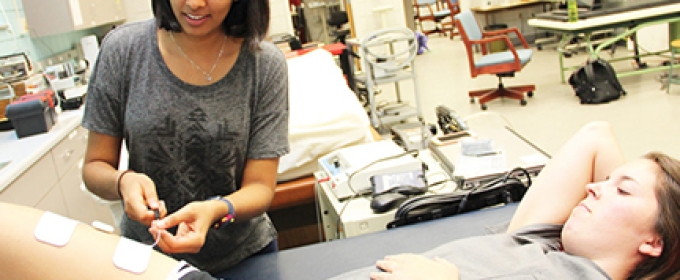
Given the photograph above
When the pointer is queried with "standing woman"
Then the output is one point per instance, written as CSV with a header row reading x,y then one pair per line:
x,y
202,105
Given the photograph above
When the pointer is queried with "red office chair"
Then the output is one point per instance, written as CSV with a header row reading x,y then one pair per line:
x,y
431,11
454,8
501,64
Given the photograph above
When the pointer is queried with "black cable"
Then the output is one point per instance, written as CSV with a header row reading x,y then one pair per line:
x,y
355,193
349,178
437,183
503,180
416,202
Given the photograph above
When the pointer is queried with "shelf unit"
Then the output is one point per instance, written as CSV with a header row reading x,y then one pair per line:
x,y
387,57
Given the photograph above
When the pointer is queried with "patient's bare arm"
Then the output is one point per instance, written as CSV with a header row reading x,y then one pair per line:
x,y
87,255
588,156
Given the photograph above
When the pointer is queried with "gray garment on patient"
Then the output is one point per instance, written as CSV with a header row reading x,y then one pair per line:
x,y
192,141
532,252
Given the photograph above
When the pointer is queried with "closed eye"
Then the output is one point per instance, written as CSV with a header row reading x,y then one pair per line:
x,y
622,191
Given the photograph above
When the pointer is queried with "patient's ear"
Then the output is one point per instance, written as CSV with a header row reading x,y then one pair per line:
x,y
652,247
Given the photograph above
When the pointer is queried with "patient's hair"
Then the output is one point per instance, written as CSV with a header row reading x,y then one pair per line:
x,y
248,19
667,224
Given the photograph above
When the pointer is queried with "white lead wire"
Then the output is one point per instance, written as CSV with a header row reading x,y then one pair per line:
x,y
158,238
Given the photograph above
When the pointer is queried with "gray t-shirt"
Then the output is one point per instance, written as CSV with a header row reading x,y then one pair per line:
x,y
532,252
192,141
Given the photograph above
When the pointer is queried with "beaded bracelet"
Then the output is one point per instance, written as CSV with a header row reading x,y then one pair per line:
x,y
229,217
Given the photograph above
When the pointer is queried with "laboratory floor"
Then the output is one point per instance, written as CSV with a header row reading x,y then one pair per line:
x,y
644,120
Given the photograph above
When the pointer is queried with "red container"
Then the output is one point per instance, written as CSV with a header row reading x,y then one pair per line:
x,y
46,96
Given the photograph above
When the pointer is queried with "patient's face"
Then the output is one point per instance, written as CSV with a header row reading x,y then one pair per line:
x,y
617,216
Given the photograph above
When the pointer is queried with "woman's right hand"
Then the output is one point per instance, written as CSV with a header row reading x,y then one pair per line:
x,y
140,199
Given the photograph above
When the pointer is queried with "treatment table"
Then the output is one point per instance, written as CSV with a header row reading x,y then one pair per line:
x,y
325,260
632,15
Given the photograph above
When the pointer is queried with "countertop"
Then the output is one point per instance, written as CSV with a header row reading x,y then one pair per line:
x,y
24,152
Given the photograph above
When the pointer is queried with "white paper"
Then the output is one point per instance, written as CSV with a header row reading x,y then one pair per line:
x,y
470,166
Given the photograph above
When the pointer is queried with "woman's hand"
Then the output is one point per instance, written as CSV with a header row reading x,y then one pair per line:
x,y
412,266
138,192
192,221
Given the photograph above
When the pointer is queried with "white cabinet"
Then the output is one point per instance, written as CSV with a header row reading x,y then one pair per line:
x,y
59,16
138,10
34,184
53,183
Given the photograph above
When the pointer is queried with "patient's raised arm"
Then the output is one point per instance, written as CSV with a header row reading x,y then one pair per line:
x,y
588,156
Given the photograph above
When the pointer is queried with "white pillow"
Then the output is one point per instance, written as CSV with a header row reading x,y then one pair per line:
x,y
325,114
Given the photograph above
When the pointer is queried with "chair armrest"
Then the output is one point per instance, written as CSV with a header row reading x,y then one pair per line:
x,y
490,39
293,193
508,43
505,32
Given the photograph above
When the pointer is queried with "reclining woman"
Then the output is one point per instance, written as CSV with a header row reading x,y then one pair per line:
x,y
587,216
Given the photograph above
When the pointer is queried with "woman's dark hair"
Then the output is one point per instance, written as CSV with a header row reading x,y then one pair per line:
x,y
247,19
667,223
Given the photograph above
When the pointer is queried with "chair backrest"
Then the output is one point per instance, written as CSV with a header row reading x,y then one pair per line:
x,y
338,18
471,35
469,25
429,6
469,30
453,6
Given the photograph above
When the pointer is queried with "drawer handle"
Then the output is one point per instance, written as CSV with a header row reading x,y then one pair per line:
x,y
72,135
68,154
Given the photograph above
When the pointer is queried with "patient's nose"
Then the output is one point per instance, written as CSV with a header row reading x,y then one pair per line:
x,y
593,189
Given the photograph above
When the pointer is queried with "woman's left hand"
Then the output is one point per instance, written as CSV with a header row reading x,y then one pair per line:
x,y
192,226
412,266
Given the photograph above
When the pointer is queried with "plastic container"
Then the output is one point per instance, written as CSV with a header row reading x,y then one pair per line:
x,y
47,97
572,10
30,117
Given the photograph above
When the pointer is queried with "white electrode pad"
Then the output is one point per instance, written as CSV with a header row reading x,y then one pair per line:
x,y
132,256
54,229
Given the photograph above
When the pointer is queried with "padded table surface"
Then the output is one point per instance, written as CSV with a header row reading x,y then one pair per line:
x,y
325,260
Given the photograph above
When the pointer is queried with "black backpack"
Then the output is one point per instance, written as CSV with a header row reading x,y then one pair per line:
x,y
596,82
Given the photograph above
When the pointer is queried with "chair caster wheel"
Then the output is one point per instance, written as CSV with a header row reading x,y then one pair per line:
x,y
523,102
567,55
472,101
483,107
539,47
530,94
